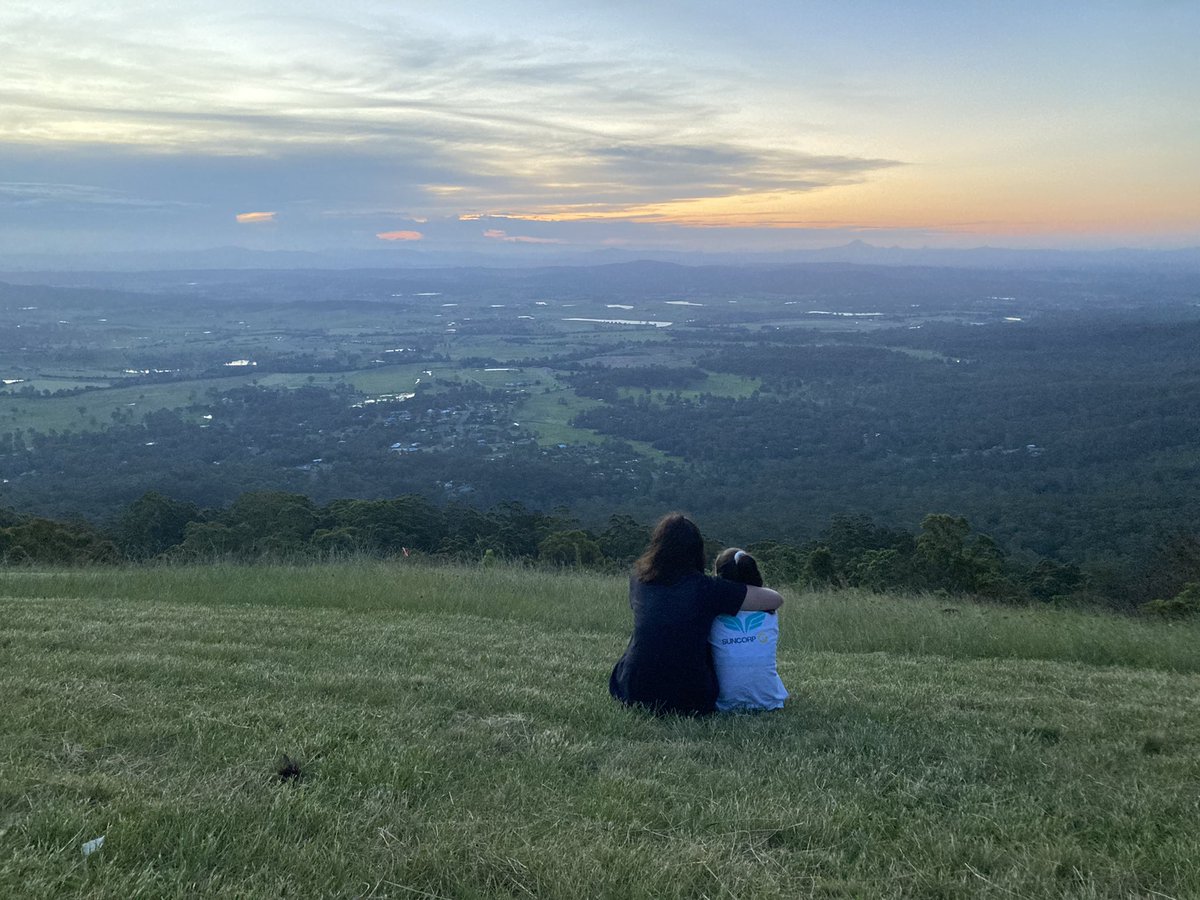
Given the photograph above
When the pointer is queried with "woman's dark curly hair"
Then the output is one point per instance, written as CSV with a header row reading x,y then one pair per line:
x,y
676,549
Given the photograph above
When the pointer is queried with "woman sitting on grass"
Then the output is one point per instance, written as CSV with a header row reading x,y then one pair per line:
x,y
743,646
668,666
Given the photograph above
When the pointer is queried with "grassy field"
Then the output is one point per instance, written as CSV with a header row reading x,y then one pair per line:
x,y
719,384
90,411
454,738
549,417
63,413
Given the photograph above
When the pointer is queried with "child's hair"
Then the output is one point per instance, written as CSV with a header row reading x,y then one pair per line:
x,y
737,565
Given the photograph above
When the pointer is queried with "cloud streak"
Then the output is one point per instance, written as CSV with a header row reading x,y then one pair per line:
x,y
74,197
499,234
514,126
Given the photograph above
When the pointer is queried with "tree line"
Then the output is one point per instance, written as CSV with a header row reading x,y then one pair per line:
x,y
945,556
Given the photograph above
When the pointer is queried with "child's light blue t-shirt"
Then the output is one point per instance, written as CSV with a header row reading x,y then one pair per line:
x,y
743,652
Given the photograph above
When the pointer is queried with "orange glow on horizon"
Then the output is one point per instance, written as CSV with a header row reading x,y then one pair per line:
x,y
967,204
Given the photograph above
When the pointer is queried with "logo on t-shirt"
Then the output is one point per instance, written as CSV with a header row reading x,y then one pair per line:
x,y
743,626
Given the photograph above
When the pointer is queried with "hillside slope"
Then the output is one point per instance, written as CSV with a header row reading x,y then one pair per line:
x,y
452,737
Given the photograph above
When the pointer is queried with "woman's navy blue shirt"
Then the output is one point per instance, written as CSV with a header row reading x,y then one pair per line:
x,y
667,666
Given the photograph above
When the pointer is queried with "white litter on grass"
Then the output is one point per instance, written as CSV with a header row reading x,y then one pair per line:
x,y
90,847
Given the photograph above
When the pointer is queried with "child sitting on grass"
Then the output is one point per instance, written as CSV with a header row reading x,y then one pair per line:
x,y
743,645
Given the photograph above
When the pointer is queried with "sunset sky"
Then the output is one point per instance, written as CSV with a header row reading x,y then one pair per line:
x,y
644,125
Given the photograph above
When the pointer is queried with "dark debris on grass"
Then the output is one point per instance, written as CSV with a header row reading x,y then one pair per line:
x,y
288,769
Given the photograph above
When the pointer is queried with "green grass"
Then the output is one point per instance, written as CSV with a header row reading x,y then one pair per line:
x,y
54,384
718,384
456,740
397,379
499,377
499,347
724,384
549,417
62,413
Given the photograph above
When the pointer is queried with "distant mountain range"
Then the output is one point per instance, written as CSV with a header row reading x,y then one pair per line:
x,y
855,252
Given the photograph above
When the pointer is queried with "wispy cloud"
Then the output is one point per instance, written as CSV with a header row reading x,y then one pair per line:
x,y
252,218
466,123
74,196
498,234
400,235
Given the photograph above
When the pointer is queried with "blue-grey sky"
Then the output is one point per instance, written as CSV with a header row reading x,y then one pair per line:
x,y
762,125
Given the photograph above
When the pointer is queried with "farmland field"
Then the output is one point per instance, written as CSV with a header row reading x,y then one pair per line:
x,y
1059,416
